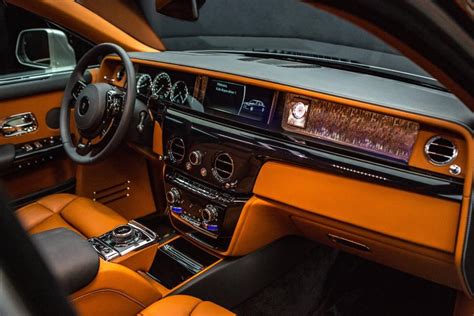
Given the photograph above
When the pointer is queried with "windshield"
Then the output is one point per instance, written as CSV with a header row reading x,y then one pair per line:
x,y
280,27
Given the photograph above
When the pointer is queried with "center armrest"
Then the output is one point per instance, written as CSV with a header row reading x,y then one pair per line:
x,y
70,257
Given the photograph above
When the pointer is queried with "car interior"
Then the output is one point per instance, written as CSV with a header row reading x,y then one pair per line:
x,y
219,157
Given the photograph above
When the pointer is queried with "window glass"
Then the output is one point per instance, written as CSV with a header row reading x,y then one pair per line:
x,y
36,48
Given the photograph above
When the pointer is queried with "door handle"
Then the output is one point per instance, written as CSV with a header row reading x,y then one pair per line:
x,y
18,124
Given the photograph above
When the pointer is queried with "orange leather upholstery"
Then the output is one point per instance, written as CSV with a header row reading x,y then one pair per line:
x,y
184,305
116,291
81,215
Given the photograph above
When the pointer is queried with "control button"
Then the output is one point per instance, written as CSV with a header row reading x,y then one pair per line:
x,y
195,157
203,172
38,145
123,233
455,170
177,209
188,166
173,196
27,147
211,227
209,213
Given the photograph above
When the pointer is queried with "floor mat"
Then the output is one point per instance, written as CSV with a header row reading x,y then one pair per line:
x,y
334,283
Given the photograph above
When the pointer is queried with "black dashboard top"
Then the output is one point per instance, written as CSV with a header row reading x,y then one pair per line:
x,y
356,86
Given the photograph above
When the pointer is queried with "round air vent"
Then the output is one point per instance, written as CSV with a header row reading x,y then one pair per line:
x,y
440,151
223,167
176,150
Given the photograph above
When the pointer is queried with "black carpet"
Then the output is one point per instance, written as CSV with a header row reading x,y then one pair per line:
x,y
334,283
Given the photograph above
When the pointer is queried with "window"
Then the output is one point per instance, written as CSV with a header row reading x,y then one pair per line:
x,y
13,21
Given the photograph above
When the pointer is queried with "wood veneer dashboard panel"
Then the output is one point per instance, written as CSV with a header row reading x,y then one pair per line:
x,y
416,218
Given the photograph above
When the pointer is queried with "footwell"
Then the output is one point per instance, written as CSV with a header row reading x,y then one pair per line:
x,y
334,283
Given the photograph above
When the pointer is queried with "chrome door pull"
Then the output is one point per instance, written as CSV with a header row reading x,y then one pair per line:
x,y
18,124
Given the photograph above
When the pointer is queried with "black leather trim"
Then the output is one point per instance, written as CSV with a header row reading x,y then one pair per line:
x,y
34,86
7,156
70,257
467,262
27,87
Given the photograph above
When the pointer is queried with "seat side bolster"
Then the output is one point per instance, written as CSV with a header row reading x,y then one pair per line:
x,y
116,290
79,213
184,305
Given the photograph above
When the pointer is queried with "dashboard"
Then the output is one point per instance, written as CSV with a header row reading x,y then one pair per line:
x,y
257,150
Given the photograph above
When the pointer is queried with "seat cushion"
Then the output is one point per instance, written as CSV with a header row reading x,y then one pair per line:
x,y
184,305
79,214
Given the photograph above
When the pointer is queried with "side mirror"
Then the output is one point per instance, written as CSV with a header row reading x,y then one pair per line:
x,y
45,49
180,9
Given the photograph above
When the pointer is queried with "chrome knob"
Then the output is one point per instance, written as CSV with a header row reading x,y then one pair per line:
x,y
195,157
209,213
173,196
123,233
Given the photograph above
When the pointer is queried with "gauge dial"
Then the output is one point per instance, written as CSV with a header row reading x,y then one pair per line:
x,y
161,86
299,110
179,92
144,84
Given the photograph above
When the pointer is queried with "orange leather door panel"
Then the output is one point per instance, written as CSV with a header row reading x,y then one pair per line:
x,y
39,105
45,175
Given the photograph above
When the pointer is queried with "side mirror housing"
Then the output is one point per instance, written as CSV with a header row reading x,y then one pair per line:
x,y
45,49
187,10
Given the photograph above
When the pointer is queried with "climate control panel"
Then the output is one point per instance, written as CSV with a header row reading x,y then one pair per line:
x,y
207,210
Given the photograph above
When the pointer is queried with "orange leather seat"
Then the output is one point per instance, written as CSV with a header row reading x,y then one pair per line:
x,y
184,305
79,214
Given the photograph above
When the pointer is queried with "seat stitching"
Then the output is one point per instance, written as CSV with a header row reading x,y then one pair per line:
x,y
65,205
192,310
44,220
50,210
113,291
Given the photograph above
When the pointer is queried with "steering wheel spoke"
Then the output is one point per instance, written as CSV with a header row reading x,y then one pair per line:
x,y
115,102
78,87
84,146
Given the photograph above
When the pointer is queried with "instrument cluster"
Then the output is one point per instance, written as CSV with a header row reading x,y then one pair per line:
x,y
162,87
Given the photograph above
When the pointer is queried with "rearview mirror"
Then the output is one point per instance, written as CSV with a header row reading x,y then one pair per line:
x,y
180,9
45,49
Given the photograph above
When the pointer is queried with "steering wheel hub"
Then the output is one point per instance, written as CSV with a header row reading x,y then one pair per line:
x,y
90,109
84,105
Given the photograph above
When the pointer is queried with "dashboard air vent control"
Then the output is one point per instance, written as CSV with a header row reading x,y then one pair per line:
x,y
223,167
440,151
176,150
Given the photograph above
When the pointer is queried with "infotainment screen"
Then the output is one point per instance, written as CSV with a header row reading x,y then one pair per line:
x,y
238,100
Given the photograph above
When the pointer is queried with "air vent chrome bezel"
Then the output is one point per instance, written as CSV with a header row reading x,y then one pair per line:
x,y
170,151
428,153
215,169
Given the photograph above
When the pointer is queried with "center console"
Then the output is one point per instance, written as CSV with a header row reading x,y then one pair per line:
x,y
123,240
208,178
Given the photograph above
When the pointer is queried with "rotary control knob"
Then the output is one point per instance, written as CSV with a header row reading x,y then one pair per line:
x,y
173,196
195,157
123,233
209,213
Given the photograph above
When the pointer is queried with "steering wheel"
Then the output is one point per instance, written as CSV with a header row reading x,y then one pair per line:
x,y
102,112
